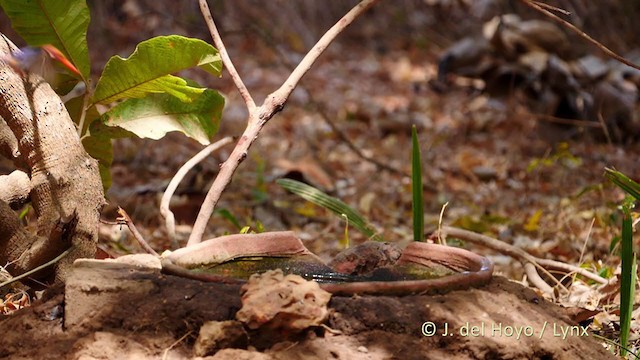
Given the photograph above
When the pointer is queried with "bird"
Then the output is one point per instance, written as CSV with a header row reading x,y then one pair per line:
x,y
33,59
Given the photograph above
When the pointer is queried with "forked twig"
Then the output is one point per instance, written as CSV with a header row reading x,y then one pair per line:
x,y
530,263
166,213
258,116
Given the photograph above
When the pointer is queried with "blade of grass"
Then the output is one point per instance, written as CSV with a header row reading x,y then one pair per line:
x,y
332,204
232,219
628,279
626,184
416,188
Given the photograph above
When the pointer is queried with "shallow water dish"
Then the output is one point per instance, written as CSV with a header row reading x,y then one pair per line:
x,y
421,267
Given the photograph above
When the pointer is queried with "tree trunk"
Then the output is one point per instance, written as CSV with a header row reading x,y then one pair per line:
x,y
64,179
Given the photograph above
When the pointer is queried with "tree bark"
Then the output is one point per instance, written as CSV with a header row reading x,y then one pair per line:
x,y
64,179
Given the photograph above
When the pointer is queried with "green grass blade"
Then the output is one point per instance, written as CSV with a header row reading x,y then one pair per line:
x,y
626,184
628,279
229,217
416,188
332,204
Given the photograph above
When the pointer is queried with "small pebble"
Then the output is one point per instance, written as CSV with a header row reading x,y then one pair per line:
x,y
363,349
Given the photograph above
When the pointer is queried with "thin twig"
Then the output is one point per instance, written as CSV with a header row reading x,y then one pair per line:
x,y
564,121
441,240
136,233
166,213
534,278
605,128
85,104
512,251
166,351
321,110
521,255
277,99
535,5
35,270
226,60
259,117
501,247
551,7
558,265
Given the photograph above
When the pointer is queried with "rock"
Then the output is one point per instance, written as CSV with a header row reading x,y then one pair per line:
x,y
288,303
485,173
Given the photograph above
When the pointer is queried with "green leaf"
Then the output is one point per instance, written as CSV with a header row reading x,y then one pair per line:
x,y
225,213
157,114
628,280
626,184
332,204
98,145
416,188
148,69
101,149
62,24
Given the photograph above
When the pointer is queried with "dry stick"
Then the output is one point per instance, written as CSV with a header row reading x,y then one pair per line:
x,y
606,50
226,60
136,233
345,139
605,129
36,269
166,213
166,351
551,7
564,121
522,256
534,278
519,254
321,110
259,116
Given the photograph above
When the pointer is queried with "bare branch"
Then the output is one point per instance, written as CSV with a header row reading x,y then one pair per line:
x,y
136,234
259,116
542,8
519,254
166,213
277,99
226,60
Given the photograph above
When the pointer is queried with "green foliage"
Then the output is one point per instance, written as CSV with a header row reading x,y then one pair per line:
x,y
198,119
627,255
351,216
155,101
626,184
149,68
627,280
416,188
225,213
62,24
259,192
331,203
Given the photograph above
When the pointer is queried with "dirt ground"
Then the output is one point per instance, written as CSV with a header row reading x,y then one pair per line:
x,y
122,312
